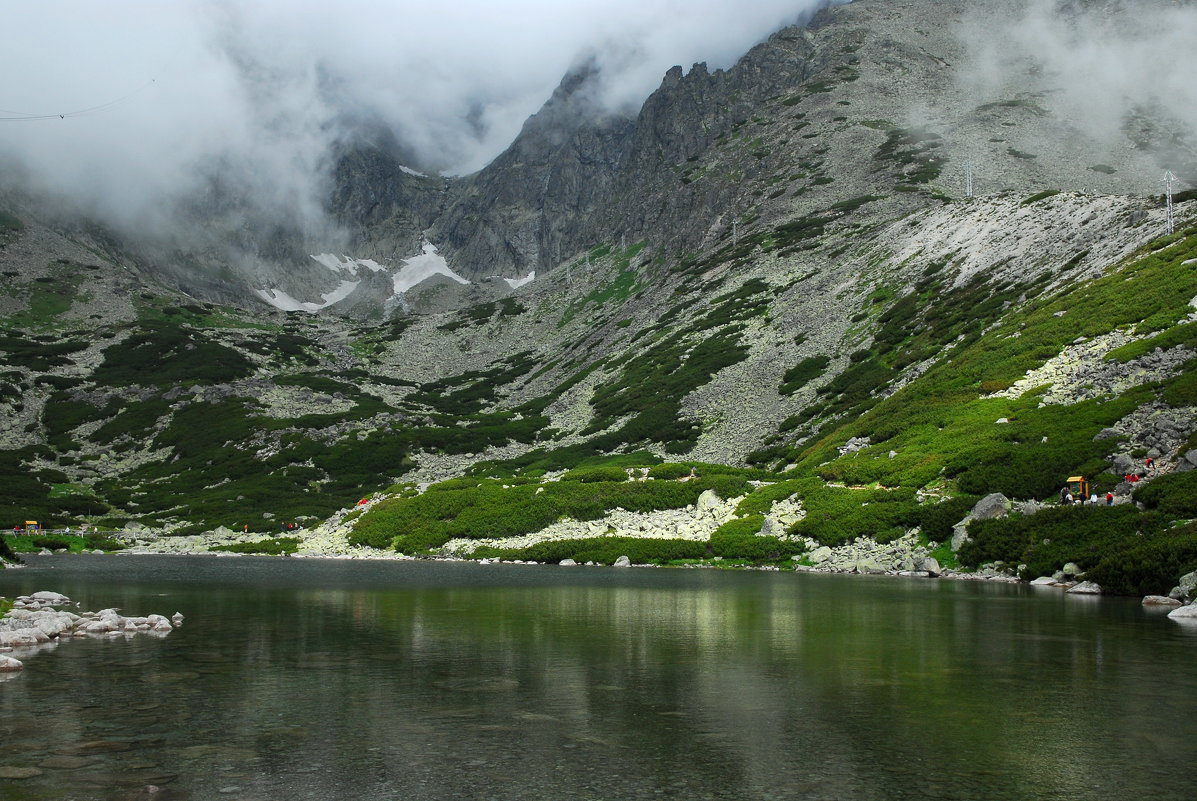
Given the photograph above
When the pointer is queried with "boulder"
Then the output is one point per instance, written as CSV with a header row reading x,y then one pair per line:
x,y
53,598
54,624
1043,581
21,638
820,554
1188,584
960,534
706,501
870,564
567,563
1159,600
1085,588
1123,464
928,565
10,665
1071,569
623,561
1184,613
992,505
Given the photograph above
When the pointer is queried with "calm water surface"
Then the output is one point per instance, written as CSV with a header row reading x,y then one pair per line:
x,y
297,680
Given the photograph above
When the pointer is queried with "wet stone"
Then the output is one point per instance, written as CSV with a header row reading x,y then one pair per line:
x,y
66,762
98,747
15,772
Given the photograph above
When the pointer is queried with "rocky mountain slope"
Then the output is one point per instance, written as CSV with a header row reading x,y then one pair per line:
x,y
770,277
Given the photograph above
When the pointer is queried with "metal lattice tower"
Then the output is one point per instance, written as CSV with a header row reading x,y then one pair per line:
x,y
1169,180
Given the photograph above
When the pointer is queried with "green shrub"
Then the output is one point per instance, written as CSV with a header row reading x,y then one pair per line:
x,y
162,354
741,539
1173,495
589,475
602,550
1046,541
1038,196
668,471
270,547
427,521
102,542
936,519
52,543
1150,564
803,373
836,515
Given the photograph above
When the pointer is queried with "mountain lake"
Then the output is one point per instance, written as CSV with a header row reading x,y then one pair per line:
x,y
304,679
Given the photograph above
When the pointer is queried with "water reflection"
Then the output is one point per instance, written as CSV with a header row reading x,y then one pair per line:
x,y
432,681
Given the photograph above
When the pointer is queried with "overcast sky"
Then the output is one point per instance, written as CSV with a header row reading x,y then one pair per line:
x,y
264,87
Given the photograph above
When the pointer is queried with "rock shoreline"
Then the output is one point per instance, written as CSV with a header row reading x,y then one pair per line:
x,y
39,620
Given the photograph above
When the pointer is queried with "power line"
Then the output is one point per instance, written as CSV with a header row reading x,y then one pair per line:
x,y
20,116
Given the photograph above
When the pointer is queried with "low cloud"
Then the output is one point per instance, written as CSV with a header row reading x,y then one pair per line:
x,y
254,97
1112,69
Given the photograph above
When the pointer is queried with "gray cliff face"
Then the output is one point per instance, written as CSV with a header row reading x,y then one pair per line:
x,y
530,208
385,208
877,97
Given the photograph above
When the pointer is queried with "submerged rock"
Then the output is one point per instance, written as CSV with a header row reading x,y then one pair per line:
x,y
34,621
1085,588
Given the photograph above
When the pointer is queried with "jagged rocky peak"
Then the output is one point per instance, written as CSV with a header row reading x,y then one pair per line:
x,y
528,210
881,99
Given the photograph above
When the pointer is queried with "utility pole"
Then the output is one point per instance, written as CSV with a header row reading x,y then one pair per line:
x,y
1169,180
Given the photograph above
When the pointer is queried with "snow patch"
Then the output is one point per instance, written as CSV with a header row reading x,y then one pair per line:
x,y
516,283
421,268
410,171
345,264
281,300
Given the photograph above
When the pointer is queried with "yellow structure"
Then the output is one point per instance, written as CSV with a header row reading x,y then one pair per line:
x,y
1079,487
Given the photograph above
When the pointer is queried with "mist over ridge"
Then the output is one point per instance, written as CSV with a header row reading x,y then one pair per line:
x,y
258,97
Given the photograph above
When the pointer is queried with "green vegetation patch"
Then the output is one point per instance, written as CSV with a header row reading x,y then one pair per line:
x,y
20,349
944,425
741,539
1038,196
164,354
276,546
912,155
490,509
1185,334
602,550
803,373
1126,551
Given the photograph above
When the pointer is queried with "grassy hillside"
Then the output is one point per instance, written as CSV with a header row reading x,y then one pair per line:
x,y
923,455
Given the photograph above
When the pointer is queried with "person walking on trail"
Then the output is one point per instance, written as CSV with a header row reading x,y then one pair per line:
x,y
1065,496
1109,499
1149,465
1093,499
